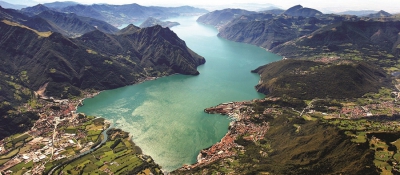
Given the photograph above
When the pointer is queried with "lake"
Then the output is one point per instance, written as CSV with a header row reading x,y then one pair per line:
x,y
165,117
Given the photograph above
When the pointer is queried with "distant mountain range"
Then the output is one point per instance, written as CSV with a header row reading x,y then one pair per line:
x,y
303,32
358,13
70,25
58,4
116,15
219,18
11,6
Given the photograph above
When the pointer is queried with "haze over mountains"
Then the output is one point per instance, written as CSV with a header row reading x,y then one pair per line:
x,y
64,48
275,31
12,6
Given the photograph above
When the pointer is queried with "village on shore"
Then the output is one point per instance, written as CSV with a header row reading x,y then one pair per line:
x,y
59,135
354,114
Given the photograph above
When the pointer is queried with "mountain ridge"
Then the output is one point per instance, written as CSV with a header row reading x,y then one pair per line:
x,y
150,22
83,62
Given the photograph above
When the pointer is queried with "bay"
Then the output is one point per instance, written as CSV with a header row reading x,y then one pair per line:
x,y
165,116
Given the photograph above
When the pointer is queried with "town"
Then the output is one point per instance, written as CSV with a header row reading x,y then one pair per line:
x,y
61,137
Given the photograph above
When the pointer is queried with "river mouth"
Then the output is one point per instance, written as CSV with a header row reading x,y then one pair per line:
x,y
165,116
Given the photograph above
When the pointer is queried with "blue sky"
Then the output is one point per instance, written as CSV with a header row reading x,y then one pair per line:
x,y
325,6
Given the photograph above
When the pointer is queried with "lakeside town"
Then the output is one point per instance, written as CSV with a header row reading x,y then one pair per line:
x,y
48,139
355,115
60,136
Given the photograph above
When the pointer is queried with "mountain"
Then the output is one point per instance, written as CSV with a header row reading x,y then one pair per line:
x,y
35,10
309,79
130,29
379,14
358,13
11,6
150,22
73,25
268,31
273,11
117,15
59,5
375,41
12,14
219,18
271,28
299,10
70,25
96,60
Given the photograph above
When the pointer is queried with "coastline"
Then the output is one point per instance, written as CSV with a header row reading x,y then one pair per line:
x,y
240,113
54,114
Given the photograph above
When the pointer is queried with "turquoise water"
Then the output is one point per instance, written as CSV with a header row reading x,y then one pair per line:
x,y
165,116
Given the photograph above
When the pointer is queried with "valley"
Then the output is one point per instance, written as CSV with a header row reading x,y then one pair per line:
x,y
300,91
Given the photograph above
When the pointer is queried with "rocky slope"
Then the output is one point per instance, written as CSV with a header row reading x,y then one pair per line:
x,y
96,60
219,18
267,30
150,22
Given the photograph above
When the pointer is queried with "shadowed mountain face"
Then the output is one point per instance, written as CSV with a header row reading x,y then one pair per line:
x,y
266,30
301,32
94,61
308,79
219,18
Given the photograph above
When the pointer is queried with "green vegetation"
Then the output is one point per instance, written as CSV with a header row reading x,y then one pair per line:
x,y
117,155
308,79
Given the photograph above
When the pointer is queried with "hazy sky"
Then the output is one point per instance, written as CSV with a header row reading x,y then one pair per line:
x,y
322,5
